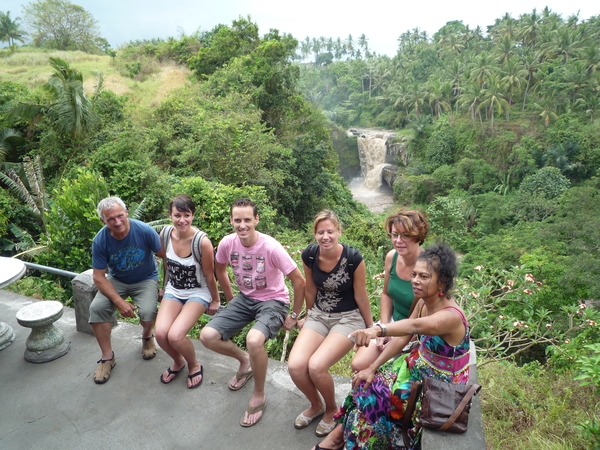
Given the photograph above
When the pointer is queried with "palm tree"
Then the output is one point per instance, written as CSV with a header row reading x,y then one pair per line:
x,y
10,30
9,139
531,64
30,188
471,96
530,27
546,108
483,67
564,44
363,42
505,49
305,47
349,45
514,78
591,54
416,98
504,27
338,49
493,99
590,103
71,111
576,78
438,92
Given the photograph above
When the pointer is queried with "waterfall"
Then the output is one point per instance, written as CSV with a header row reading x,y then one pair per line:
x,y
377,153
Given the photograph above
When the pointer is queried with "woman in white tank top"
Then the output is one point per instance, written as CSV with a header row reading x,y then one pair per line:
x,y
189,291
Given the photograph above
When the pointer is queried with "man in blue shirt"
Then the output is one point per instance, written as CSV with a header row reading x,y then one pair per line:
x,y
125,248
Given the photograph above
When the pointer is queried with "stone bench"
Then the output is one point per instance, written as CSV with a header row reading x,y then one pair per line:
x,y
84,291
474,438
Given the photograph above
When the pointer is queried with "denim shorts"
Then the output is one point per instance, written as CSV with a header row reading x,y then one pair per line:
x,y
241,310
338,322
196,299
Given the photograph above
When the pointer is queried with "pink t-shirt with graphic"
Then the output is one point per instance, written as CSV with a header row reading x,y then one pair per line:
x,y
259,269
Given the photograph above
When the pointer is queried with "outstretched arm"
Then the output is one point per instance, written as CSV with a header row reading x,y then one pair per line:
x,y
208,268
299,283
360,293
224,280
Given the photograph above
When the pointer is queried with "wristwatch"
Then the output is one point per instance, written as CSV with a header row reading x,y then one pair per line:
x,y
293,315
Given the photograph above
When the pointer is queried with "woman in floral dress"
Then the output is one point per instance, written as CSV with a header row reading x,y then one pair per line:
x,y
372,415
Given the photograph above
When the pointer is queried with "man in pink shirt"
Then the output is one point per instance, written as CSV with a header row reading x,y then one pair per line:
x,y
259,264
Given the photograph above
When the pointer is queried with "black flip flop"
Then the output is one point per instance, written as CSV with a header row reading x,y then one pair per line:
x,y
192,376
171,372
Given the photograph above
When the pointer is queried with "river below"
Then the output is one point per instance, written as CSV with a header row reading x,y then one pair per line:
x,y
378,200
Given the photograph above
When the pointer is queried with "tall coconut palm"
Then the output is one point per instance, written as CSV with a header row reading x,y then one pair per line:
x,y
514,78
10,30
546,109
471,96
530,27
493,99
531,64
349,45
363,42
483,67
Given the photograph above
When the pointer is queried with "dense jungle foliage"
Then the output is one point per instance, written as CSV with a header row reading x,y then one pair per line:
x,y
503,155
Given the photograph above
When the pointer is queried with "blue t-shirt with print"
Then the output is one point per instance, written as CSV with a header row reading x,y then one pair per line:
x,y
131,259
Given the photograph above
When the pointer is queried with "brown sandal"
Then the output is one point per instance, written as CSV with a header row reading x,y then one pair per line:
x,y
102,373
148,347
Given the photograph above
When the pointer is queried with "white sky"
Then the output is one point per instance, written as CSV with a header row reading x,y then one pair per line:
x,y
382,21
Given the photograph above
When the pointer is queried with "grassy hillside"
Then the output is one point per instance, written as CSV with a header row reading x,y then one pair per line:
x,y
30,68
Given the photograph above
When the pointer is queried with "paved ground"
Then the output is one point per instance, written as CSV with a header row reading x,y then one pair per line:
x,y
56,405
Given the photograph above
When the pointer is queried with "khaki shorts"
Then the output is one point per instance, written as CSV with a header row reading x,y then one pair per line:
x,y
340,322
144,295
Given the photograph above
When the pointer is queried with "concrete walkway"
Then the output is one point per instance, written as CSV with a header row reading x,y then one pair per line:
x,y
57,405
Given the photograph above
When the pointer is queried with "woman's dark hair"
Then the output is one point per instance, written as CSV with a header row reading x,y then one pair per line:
x,y
441,259
183,203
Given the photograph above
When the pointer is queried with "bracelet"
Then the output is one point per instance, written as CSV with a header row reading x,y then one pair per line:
x,y
383,329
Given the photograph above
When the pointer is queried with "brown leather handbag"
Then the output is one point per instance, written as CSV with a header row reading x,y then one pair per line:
x,y
444,406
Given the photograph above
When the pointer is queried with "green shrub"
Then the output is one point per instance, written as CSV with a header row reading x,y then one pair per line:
x,y
72,222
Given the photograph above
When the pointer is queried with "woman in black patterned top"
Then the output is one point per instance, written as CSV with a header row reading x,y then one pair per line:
x,y
338,304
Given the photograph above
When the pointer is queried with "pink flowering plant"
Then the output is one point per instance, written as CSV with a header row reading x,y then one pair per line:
x,y
507,319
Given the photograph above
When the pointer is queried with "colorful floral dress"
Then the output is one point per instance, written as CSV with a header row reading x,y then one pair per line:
x,y
372,419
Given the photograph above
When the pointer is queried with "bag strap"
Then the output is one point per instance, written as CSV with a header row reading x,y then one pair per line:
x,y
474,389
312,254
165,238
197,247
410,408
351,255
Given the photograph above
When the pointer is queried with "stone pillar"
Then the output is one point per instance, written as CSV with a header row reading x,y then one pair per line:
x,y
84,291
7,335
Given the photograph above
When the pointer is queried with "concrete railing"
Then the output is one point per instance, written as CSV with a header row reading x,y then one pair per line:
x,y
84,291
474,438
